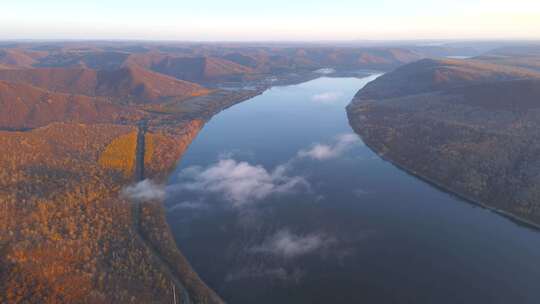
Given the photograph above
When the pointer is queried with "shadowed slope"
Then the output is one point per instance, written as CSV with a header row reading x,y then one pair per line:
x,y
142,85
431,75
19,58
198,69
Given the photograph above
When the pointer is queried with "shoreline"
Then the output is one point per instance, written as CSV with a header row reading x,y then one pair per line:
x,y
170,259
212,106
466,198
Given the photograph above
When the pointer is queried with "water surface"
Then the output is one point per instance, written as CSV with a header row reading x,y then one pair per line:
x,y
276,201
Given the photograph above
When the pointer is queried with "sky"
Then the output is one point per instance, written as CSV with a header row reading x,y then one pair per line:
x,y
270,20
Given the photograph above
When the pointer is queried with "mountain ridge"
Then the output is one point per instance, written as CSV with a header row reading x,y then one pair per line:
x,y
474,136
129,82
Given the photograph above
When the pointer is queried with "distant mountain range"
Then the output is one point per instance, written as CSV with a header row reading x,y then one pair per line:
x,y
96,82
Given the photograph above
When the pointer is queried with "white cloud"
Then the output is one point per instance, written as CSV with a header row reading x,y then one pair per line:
x,y
240,182
190,205
327,97
325,71
261,271
360,192
145,190
325,151
288,245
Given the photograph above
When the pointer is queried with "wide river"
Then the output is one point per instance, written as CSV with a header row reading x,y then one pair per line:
x,y
277,201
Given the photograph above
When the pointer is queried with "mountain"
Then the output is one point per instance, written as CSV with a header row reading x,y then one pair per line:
x,y
526,56
296,59
68,235
24,106
196,69
92,58
524,50
436,74
130,83
72,139
19,58
447,50
467,126
245,60
209,64
64,80
136,83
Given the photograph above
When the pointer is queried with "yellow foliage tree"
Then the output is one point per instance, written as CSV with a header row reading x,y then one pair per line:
x,y
120,154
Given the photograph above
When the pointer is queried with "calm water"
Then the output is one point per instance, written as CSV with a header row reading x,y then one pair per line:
x,y
277,202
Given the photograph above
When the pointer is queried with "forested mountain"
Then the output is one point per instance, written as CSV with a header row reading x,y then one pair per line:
x,y
469,126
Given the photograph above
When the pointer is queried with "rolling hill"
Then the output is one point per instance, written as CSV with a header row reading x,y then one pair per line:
x,y
196,69
521,56
19,58
436,74
467,126
24,106
130,83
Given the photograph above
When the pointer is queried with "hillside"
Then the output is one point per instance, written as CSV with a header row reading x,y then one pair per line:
x,y
471,128
521,56
130,83
141,85
19,58
69,142
196,69
209,64
279,60
24,106
92,58
429,75
63,80
67,235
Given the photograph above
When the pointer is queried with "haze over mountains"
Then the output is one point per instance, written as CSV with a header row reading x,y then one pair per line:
x,y
65,75
91,82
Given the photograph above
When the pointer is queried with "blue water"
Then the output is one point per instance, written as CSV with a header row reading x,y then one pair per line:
x,y
333,223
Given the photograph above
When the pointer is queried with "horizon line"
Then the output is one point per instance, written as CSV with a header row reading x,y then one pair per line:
x,y
309,41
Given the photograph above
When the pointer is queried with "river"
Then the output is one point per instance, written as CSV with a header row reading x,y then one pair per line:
x,y
277,201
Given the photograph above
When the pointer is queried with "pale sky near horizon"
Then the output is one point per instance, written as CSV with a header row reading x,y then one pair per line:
x,y
285,20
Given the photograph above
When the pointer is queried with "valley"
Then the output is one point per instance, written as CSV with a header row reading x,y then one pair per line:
x,y
93,136
83,122
251,152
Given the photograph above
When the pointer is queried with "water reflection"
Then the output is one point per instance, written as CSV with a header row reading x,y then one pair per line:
x,y
277,202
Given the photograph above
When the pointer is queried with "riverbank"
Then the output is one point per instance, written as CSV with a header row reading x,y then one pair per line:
x,y
389,223
148,217
354,121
